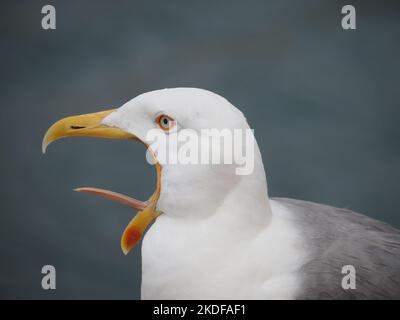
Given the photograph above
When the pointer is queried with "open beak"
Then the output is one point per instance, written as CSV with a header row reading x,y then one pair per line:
x,y
90,125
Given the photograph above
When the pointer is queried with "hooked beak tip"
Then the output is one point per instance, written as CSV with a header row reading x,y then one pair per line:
x,y
44,145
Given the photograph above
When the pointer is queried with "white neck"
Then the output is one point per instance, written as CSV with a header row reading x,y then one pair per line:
x,y
220,241
200,191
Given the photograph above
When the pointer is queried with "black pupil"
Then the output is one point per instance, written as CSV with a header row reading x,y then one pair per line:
x,y
165,121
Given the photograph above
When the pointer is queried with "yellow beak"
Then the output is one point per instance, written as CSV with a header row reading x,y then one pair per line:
x,y
90,125
85,125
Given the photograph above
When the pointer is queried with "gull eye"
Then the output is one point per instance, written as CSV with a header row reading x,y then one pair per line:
x,y
165,122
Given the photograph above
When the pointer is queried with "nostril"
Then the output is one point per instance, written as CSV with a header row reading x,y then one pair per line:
x,y
77,127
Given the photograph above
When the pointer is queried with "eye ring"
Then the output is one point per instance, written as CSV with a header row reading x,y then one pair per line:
x,y
165,122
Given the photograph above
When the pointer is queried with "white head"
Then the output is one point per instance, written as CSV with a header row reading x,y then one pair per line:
x,y
185,191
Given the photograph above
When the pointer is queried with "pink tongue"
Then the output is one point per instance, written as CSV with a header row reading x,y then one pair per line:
x,y
115,196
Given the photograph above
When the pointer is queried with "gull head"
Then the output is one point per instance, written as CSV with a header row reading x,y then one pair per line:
x,y
192,138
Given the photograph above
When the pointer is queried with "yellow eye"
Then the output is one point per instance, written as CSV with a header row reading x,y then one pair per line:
x,y
166,123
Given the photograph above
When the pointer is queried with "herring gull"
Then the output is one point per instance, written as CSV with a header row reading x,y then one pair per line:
x,y
213,234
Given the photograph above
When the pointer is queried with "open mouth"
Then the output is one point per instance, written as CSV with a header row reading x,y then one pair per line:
x,y
90,125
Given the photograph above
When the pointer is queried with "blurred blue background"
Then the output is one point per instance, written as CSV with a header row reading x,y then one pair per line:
x,y
324,104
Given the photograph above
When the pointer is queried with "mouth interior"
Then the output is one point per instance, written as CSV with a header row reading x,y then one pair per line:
x,y
147,212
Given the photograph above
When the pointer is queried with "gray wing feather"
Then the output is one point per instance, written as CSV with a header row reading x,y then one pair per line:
x,y
337,237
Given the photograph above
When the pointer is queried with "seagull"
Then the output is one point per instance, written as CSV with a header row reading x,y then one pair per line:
x,y
209,233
